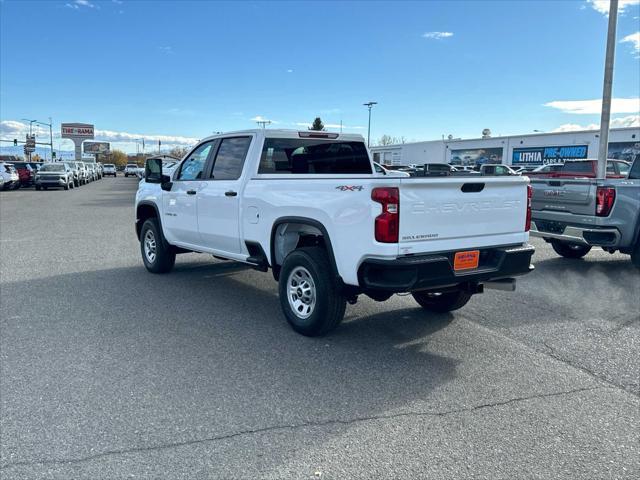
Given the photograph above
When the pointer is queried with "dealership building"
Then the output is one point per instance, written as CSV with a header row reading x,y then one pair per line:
x,y
516,150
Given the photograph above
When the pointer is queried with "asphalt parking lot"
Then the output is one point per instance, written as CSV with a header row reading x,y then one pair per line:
x,y
111,372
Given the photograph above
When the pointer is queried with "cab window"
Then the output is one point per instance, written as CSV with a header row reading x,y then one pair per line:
x,y
193,166
230,158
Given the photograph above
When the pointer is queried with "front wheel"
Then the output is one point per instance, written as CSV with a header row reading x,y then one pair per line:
x,y
157,255
570,250
442,301
309,295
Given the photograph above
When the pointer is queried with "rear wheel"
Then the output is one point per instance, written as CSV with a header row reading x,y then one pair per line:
x,y
310,297
38,187
570,250
158,256
635,255
442,301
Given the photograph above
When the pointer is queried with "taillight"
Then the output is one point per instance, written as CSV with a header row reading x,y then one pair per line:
x,y
605,196
527,222
387,223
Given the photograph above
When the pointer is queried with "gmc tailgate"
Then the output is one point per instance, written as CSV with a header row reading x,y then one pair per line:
x,y
455,213
575,196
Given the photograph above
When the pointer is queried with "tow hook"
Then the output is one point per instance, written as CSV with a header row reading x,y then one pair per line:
x,y
505,284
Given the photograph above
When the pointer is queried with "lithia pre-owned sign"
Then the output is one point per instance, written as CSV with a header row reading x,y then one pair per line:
x,y
78,132
544,155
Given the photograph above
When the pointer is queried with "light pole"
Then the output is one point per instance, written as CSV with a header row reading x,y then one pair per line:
x,y
369,105
31,122
605,116
50,134
264,123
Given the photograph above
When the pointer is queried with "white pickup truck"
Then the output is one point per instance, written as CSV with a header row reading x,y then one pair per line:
x,y
310,207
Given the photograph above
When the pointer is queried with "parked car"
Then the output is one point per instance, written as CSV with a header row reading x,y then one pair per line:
x,y
57,174
586,169
11,180
82,174
379,169
310,207
131,170
574,215
545,169
26,173
76,173
92,171
109,169
496,169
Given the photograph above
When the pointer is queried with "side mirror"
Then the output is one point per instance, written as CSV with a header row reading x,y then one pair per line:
x,y
165,183
153,170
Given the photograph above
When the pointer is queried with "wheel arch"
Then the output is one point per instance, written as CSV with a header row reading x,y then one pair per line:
x,y
309,225
144,211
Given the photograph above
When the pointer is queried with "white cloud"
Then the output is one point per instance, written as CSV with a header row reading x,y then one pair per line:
x,y
14,129
76,4
437,35
634,40
290,70
260,118
589,107
166,49
602,6
620,122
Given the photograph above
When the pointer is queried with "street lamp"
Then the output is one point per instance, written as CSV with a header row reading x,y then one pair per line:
x,y
31,122
50,124
369,105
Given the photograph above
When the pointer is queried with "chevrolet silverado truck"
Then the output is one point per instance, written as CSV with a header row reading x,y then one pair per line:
x,y
576,214
310,207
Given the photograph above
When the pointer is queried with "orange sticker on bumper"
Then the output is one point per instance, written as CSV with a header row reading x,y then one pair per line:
x,y
466,260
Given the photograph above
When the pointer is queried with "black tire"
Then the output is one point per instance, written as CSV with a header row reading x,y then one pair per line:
x,y
570,250
38,187
164,255
635,255
44,188
442,302
66,186
329,304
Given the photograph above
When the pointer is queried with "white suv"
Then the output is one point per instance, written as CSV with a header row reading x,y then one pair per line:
x,y
131,170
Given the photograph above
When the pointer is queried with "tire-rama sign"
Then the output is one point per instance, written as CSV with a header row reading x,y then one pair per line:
x,y
77,130
545,155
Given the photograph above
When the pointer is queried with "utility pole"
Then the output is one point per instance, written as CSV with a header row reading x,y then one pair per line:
x,y
605,117
264,123
30,125
369,105
50,134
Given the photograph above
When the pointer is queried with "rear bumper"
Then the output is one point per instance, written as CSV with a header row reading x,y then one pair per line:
x,y
434,271
605,236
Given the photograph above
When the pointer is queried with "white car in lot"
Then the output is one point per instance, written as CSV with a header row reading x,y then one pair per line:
x,y
131,170
109,169
9,174
310,207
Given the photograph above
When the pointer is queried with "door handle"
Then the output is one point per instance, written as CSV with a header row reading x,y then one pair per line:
x,y
231,193
191,192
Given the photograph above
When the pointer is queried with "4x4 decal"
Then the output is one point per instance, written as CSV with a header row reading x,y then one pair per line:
x,y
349,188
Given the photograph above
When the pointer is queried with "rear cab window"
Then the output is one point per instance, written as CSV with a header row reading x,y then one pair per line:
x,y
313,156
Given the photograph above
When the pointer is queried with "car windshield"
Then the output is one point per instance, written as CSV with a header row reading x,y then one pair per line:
x,y
52,168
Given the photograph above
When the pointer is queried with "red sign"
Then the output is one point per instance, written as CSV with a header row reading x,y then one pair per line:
x,y
74,130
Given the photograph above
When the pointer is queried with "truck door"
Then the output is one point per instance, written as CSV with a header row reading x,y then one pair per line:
x,y
220,198
180,218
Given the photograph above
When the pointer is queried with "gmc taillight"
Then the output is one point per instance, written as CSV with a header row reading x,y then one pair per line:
x,y
605,196
527,222
387,224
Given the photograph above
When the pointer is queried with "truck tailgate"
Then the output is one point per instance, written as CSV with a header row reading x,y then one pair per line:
x,y
455,213
576,196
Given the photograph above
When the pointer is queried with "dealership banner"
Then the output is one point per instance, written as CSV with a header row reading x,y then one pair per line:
x,y
96,147
545,155
476,156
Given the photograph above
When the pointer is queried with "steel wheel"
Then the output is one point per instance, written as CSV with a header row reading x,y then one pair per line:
x,y
150,246
301,292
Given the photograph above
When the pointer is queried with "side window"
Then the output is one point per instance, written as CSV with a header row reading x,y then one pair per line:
x,y
624,168
230,158
634,173
192,167
611,168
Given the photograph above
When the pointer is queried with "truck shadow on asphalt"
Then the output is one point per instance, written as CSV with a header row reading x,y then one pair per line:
x,y
205,348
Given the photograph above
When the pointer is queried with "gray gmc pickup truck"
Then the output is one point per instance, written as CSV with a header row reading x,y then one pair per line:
x,y
575,214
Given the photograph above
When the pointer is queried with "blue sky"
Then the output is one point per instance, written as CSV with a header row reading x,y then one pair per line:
x,y
183,70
